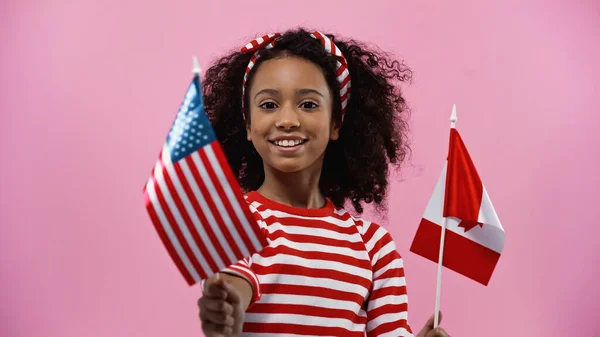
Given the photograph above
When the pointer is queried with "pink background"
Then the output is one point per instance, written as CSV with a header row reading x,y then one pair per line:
x,y
88,90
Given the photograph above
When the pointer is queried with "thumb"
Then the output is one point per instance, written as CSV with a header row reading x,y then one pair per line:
x,y
232,295
214,287
429,325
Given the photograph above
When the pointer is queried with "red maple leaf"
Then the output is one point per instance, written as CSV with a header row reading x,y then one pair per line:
x,y
468,225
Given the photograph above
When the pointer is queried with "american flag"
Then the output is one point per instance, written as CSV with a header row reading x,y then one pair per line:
x,y
194,200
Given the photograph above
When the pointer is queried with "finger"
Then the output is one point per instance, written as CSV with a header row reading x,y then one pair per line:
x,y
211,329
429,325
437,332
216,290
218,305
216,317
232,295
431,321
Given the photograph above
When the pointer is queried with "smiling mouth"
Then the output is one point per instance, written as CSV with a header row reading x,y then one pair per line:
x,y
288,143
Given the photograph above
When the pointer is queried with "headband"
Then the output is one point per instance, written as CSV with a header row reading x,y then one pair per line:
x,y
268,42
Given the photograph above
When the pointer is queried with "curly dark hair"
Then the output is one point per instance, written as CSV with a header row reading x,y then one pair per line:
x,y
373,134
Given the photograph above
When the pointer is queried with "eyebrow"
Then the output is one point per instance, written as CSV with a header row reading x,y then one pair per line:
x,y
299,91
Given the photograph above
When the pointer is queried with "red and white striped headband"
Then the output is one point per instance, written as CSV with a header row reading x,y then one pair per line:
x,y
342,73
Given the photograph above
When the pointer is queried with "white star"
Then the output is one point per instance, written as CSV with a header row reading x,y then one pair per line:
x,y
198,141
201,126
190,146
205,137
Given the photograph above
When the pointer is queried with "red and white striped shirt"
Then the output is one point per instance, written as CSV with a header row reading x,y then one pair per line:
x,y
324,273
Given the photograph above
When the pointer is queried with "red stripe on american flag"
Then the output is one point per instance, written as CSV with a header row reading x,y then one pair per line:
x,y
171,220
165,239
207,225
215,210
190,196
240,199
176,199
226,202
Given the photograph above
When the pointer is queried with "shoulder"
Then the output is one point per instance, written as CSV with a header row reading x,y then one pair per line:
x,y
254,205
377,239
369,230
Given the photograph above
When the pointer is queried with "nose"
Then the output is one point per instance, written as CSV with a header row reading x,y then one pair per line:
x,y
287,119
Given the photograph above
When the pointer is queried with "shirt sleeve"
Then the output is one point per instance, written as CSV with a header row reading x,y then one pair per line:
x,y
387,306
244,270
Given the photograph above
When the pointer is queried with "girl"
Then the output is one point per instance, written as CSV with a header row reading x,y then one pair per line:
x,y
310,123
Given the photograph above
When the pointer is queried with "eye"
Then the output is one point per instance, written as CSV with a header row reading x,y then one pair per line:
x,y
309,105
268,105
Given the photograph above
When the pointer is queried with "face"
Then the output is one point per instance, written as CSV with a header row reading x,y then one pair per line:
x,y
290,114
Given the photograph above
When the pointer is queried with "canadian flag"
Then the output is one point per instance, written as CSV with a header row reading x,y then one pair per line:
x,y
474,237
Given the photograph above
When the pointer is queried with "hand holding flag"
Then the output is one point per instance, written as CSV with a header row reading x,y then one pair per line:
x,y
194,200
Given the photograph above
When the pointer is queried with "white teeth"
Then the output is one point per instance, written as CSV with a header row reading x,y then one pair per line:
x,y
287,143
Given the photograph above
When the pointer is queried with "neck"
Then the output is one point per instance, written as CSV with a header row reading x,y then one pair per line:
x,y
297,189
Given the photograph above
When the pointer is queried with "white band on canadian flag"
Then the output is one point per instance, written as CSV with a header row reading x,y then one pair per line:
x,y
342,72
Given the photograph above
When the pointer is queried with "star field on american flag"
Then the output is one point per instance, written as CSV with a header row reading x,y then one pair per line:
x,y
191,130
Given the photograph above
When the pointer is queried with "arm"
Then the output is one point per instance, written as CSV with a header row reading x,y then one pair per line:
x,y
387,307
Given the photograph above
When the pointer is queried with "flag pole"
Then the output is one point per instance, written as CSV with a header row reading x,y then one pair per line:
x,y
196,66
438,291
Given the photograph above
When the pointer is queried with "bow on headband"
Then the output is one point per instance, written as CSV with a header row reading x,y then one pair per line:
x,y
342,73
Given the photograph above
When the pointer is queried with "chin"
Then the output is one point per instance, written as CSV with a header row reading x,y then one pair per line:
x,y
289,166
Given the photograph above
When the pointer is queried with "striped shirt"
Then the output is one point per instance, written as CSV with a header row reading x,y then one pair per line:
x,y
324,273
